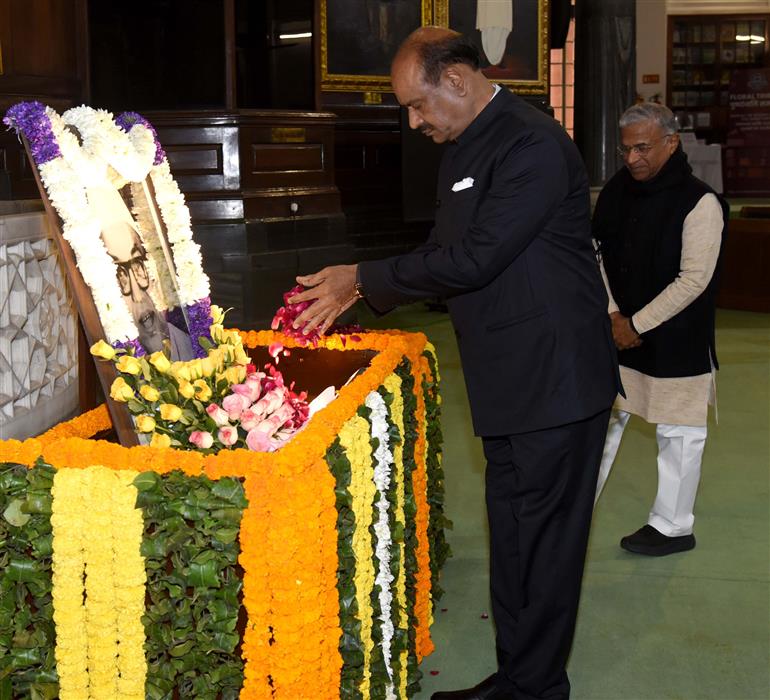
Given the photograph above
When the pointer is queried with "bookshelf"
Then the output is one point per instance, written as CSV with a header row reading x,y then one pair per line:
x,y
703,50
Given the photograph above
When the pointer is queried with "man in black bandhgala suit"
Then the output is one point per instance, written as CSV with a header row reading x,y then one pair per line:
x,y
512,254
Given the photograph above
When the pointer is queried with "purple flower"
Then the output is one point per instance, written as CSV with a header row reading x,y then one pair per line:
x,y
30,119
199,323
126,120
197,319
129,345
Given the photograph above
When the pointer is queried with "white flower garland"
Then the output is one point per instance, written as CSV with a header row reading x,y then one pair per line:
x,y
110,154
382,476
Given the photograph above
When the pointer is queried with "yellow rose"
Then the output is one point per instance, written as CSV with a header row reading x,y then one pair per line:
x,y
232,337
217,314
145,424
235,374
216,332
103,350
120,391
150,393
160,362
202,390
240,355
128,365
208,366
186,389
169,411
159,440
196,369
180,370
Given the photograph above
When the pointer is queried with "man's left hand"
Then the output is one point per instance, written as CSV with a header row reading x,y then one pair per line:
x,y
334,291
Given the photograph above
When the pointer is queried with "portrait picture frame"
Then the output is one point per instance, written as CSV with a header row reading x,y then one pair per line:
x,y
359,38
124,238
524,60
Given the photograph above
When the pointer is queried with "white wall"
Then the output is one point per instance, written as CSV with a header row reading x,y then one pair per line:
x,y
698,7
651,38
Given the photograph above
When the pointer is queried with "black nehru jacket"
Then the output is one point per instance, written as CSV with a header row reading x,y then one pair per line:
x,y
512,255
639,229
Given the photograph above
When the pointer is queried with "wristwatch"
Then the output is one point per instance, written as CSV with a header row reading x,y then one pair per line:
x,y
359,287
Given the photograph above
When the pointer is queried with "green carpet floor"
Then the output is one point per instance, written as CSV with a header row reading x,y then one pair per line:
x,y
690,626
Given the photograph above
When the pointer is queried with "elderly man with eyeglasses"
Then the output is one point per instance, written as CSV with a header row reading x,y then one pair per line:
x,y
659,232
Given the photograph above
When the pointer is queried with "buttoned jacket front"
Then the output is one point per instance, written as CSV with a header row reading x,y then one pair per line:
x,y
512,255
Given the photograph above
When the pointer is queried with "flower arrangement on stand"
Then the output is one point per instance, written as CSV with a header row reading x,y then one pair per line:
x,y
220,401
121,151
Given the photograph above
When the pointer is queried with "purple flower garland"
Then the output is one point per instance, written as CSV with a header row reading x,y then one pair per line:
x,y
126,120
30,119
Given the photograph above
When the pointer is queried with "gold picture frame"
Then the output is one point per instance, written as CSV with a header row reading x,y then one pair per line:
x,y
524,63
360,37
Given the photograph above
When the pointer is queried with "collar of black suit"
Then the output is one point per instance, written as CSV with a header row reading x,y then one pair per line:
x,y
484,117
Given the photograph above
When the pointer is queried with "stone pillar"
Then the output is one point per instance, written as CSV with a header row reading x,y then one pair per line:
x,y
605,80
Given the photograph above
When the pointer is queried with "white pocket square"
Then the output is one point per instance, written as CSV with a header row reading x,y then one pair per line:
x,y
463,184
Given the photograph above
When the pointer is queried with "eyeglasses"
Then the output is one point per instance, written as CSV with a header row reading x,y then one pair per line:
x,y
136,268
641,149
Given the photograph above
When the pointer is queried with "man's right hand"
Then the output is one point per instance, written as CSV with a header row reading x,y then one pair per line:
x,y
624,336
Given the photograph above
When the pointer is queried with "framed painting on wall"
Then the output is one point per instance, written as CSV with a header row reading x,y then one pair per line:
x,y
359,39
511,35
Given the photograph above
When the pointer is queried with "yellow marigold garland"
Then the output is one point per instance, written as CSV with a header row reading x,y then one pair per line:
x,y
98,531
130,578
101,615
68,564
354,438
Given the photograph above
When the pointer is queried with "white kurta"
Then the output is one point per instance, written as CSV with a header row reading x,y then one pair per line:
x,y
677,400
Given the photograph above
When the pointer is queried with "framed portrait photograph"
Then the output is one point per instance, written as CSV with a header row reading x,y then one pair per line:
x,y
124,238
511,35
359,39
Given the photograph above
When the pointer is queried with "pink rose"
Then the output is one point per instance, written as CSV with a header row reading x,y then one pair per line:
x,y
275,351
276,420
218,415
269,402
201,439
249,419
227,435
258,441
234,404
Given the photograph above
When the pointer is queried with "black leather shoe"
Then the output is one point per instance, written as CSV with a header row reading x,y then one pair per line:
x,y
647,540
488,689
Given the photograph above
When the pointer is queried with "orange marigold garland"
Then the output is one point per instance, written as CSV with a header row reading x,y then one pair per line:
x,y
423,608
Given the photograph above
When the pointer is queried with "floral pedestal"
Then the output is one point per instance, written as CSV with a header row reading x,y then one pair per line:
x,y
310,572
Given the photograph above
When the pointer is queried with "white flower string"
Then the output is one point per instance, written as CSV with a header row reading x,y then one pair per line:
x,y
382,475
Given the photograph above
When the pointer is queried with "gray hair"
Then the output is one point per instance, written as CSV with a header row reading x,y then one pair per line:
x,y
650,111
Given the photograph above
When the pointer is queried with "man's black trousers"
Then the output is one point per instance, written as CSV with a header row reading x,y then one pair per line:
x,y
540,490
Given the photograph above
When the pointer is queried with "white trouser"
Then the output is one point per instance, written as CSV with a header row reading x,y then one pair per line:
x,y
680,451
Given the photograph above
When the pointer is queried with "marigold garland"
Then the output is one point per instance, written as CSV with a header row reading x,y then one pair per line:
x,y
393,385
423,608
354,438
284,643
97,532
68,563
